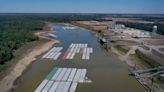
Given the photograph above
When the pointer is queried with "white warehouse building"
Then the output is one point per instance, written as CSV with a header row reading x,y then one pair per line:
x,y
113,26
136,33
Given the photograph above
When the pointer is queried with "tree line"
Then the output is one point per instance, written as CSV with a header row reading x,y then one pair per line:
x,y
15,32
17,29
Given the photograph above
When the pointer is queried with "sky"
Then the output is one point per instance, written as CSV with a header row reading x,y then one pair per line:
x,y
82,6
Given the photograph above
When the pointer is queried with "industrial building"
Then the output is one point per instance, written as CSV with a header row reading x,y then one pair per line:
x,y
135,33
121,29
113,26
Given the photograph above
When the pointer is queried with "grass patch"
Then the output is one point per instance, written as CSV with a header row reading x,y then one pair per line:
x,y
120,48
147,60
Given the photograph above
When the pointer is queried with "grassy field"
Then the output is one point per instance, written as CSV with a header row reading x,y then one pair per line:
x,y
121,49
149,62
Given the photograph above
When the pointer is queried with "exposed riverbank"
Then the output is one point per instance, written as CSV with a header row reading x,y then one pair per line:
x,y
123,54
26,59
104,68
114,50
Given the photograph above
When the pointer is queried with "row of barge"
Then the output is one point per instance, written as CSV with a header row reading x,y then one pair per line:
x,y
63,80
73,49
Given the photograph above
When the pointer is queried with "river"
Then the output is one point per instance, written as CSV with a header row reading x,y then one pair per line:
x,y
107,72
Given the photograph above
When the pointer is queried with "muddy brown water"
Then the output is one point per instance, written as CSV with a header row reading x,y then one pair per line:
x,y
107,72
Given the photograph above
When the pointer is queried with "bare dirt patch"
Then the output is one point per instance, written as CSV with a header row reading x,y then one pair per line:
x,y
152,41
161,49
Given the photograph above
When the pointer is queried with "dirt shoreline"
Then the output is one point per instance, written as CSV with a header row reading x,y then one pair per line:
x,y
8,81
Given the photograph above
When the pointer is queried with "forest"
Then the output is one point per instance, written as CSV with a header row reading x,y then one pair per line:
x,y
15,32
17,29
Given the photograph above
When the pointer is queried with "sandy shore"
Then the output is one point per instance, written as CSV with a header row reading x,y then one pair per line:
x,y
7,82
124,58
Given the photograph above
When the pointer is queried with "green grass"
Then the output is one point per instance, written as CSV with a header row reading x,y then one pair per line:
x,y
121,49
147,60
